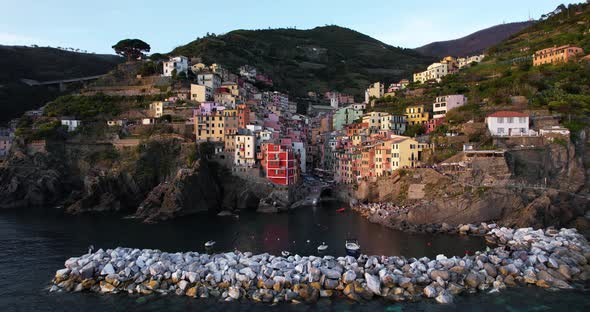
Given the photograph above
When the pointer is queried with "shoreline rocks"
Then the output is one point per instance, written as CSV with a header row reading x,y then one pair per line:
x,y
545,258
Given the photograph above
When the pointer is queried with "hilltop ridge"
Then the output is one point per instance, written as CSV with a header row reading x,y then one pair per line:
x,y
319,59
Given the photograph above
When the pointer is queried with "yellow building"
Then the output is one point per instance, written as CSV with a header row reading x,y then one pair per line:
x,y
209,128
405,152
417,115
233,87
375,90
200,93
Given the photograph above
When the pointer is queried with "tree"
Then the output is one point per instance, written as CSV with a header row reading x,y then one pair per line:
x,y
131,48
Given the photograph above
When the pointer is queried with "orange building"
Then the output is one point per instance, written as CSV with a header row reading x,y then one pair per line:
x,y
556,55
243,115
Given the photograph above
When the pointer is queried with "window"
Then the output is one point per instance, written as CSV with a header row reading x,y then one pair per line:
x,y
510,120
500,130
500,120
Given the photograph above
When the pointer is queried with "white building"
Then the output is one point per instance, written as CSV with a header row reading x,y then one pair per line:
x,y
245,153
434,72
394,123
443,104
71,123
507,123
466,61
178,63
157,108
299,149
210,80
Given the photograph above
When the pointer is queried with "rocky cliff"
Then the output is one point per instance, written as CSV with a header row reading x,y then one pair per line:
x,y
192,190
151,182
534,187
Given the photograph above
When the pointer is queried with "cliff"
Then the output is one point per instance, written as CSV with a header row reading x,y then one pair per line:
x,y
527,188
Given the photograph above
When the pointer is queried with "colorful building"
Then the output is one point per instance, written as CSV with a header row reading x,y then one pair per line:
x,y
375,90
345,116
280,164
555,55
373,120
405,152
417,115
245,149
443,104
394,123
209,127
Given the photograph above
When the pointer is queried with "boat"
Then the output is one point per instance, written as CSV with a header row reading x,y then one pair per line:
x,y
341,210
353,248
285,253
322,247
210,244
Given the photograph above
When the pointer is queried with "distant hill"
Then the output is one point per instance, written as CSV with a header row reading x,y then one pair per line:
x,y
319,59
42,64
474,43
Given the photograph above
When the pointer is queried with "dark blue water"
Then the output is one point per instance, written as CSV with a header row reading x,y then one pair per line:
x,y
34,245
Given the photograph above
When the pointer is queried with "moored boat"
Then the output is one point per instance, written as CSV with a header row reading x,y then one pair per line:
x,y
322,247
353,248
210,244
285,253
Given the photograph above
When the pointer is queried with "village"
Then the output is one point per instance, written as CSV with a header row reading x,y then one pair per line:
x,y
267,135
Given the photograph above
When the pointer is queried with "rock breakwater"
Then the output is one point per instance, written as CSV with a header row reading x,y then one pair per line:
x,y
546,258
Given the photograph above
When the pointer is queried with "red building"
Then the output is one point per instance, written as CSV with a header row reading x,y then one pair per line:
x,y
281,165
432,124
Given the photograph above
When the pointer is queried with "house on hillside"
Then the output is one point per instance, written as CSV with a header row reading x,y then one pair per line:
x,y
508,123
556,55
210,80
442,104
201,93
71,123
417,114
178,63
375,90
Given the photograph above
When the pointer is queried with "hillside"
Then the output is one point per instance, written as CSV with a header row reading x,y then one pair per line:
x,y
474,43
319,59
42,64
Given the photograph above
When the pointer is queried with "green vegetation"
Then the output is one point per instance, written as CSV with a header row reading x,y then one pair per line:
x,y
319,59
131,49
414,130
83,107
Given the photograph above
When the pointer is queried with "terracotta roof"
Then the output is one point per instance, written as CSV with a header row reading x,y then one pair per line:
x,y
508,114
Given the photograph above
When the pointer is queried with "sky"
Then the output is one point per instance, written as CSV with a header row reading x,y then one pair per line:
x,y
97,25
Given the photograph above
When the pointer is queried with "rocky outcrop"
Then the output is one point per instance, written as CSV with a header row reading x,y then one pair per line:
x,y
103,192
191,190
30,181
545,258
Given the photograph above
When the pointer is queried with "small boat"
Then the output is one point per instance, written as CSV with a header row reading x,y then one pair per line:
x,y
285,253
341,210
352,247
210,244
322,247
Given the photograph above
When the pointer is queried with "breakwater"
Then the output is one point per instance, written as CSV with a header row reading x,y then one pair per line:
x,y
545,258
